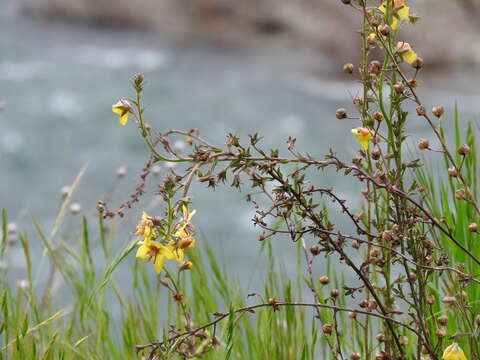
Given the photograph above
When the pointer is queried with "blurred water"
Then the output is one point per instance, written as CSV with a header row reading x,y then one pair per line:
x,y
58,83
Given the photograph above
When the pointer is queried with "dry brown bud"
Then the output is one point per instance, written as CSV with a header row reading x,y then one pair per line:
x,y
421,111
327,328
443,320
375,66
452,171
377,115
417,63
341,113
324,280
315,250
381,337
413,83
352,314
423,144
459,194
185,242
376,154
334,293
348,68
271,301
473,227
346,2
186,265
355,356
464,150
438,111
412,277
372,304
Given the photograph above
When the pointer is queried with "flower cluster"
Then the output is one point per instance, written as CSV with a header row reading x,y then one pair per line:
x,y
158,244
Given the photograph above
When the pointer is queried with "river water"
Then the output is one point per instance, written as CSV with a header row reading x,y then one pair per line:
x,y
58,81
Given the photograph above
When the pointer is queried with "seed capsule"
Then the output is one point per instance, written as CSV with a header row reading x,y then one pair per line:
x,y
438,111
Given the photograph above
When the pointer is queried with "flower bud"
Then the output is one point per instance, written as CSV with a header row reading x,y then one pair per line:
x,y
421,111
324,280
355,356
473,227
374,252
356,244
327,328
452,171
341,113
380,337
334,293
185,242
186,265
430,299
463,150
438,111
423,144
348,68
441,332
398,87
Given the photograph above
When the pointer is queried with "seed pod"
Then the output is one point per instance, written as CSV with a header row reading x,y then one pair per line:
x,y
372,304
421,111
376,154
412,277
315,250
385,30
443,320
355,356
430,299
334,293
418,63
374,252
398,87
324,280
459,194
464,150
452,171
423,144
356,244
375,67
438,111
441,332
448,300
327,328
348,68
354,314
378,116
341,113
473,227
380,337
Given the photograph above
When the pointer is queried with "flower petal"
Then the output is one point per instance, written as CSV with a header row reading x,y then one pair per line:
x,y
158,263
143,252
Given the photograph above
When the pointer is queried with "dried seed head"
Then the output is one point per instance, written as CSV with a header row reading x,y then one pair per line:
x,y
376,154
464,150
271,301
356,244
417,63
341,113
459,194
348,68
421,111
327,328
438,111
357,160
372,304
452,171
473,227
377,115
412,277
315,250
381,337
352,314
363,303
423,144
375,67
443,320
324,280
334,293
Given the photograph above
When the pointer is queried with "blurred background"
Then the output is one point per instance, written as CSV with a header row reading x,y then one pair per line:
x,y
267,66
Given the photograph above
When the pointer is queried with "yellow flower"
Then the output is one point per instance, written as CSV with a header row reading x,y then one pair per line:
x,y
400,11
154,252
183,234
122,108
363,136
454,352
406,52
145,227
